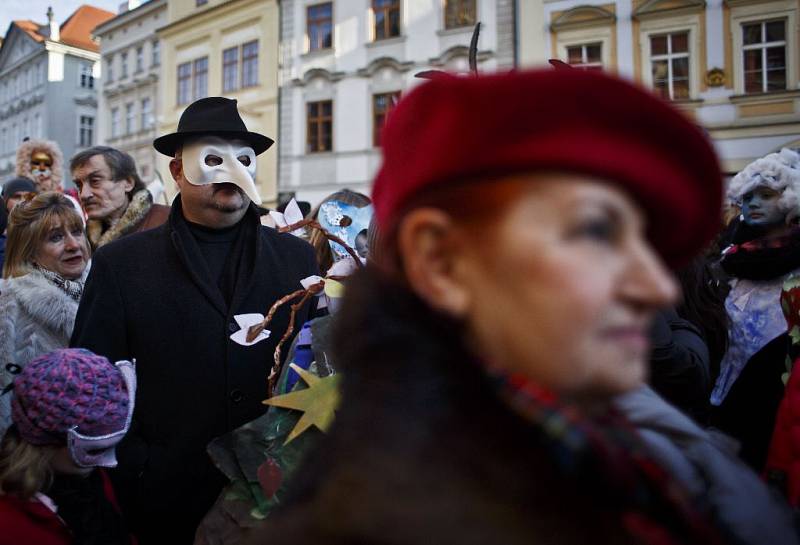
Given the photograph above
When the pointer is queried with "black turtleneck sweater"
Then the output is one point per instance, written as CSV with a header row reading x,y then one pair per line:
x,y
215,245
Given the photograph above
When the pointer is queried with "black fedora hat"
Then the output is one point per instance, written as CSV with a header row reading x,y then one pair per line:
x,y
212,116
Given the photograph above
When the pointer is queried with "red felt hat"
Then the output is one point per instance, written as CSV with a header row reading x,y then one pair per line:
x,y
462,128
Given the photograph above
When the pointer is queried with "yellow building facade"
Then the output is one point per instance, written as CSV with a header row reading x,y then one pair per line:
x,y
732,65
222,48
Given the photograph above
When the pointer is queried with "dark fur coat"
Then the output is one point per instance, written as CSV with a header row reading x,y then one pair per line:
x,y
423,451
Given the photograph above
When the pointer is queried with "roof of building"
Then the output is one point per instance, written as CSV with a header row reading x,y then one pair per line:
x,y
30,28
77,29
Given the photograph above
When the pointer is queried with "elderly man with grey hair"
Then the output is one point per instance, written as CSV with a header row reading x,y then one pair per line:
x,y
115,199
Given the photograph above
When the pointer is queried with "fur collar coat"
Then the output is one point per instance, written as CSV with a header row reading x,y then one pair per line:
x,y
35,317
141,214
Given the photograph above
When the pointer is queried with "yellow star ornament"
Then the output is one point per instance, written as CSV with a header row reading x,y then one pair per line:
x,y
318,402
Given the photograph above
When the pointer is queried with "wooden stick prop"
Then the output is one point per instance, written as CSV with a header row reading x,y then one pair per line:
x,y
276,368
304,295
255,330
314,224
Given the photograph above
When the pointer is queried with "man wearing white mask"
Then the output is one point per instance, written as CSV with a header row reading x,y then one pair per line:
x,y
167,297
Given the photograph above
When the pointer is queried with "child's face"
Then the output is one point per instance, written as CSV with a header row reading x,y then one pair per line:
x,y
361,246
63,463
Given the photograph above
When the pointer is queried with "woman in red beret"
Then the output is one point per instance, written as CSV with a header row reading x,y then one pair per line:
x,y
527,220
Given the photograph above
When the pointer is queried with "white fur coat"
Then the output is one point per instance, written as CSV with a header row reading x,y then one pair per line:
x,y
35,318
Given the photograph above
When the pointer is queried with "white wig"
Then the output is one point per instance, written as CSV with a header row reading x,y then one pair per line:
x,y
777,171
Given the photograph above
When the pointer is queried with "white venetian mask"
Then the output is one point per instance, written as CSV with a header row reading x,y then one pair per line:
x,y
214,160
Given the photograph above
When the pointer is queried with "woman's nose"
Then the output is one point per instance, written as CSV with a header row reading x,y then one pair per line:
x,y
72,242
648,282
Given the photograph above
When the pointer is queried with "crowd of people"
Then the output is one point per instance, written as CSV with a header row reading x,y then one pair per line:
x,y
549,323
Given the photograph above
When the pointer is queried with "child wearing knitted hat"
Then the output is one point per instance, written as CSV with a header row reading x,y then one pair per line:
x,y
70,408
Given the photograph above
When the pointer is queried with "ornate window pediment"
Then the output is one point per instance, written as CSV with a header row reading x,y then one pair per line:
x,y
318,73
583,16
657,8
456,52
373,67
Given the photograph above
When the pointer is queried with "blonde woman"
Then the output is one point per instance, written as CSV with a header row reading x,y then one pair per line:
x,y
44,270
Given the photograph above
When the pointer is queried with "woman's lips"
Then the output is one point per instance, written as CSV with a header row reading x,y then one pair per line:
x,y
73,260
633,337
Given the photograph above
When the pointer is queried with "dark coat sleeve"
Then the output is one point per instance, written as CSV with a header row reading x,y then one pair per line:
x,y
680,365
100,323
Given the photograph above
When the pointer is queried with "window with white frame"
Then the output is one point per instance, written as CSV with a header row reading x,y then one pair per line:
x,y
110,69
37,126
156,53
250,64
124,65
200,78
85,77
764,55
85,131
130,118
184,83
146,113
586,56
139,58
230,69
669,64
115,125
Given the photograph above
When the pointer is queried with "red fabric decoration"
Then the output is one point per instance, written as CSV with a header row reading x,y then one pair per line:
x,y
587,122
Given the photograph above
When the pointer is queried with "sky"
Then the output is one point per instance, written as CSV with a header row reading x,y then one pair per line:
x,y
36,10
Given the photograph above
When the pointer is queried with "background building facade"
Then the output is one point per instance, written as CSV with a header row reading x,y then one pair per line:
x,y
730,64
345,62
222,48
48,80
131,60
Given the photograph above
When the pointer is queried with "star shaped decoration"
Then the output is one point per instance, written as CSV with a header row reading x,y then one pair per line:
x,y
318,402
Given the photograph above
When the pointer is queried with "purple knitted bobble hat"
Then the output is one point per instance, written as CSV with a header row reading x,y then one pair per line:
x,y
67,388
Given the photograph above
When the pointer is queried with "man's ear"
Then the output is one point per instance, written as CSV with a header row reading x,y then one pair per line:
x,y
176,168
430,245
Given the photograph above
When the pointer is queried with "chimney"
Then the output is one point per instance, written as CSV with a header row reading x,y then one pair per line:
x,y
55,35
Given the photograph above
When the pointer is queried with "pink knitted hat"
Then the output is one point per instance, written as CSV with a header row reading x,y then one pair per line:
x,y
68,388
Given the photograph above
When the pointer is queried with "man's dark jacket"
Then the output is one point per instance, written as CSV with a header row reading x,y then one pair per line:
x,y
150,296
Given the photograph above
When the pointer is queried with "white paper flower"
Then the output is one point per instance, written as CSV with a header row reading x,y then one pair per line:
x,y
290,216
245,322
310,281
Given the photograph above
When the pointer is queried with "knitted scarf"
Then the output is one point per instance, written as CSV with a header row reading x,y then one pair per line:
x,y
73,288
605,449
763,258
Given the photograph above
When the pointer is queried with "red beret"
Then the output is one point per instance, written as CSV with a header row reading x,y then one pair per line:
x,y
463,128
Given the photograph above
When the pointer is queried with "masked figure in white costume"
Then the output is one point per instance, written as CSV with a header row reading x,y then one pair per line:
x,y
168,297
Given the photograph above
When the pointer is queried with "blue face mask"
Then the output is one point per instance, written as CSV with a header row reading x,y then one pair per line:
x,y
760,207
346,222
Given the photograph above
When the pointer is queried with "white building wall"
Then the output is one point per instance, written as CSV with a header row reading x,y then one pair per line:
x,y
356,68
124,34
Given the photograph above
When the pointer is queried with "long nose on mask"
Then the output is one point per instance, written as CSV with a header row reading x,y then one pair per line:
x,y
212,160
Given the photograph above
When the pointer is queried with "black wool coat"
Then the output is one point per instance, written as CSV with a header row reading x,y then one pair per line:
x,y
150,296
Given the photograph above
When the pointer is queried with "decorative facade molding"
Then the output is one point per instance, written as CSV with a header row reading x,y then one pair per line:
x,y
455,52
583,16
660,8
384,62
318,73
